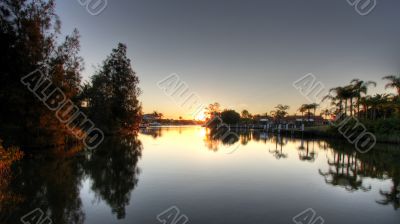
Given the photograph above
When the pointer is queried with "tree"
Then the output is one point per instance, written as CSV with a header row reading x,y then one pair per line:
x,y
246,114
314,107
230,117
394,82
66,66
28,30
157,115
302,109
213,109
308,108
114,94
348,94
361,87
280,112
338,98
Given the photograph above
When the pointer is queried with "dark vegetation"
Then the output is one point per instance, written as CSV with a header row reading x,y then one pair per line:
x,y
29,34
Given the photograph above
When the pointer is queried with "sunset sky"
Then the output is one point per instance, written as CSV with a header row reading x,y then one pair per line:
x,y
242,54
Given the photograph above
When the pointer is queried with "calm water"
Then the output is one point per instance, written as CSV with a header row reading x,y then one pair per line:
x,y
267,179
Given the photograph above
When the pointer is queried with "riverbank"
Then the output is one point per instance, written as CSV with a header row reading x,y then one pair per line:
x,y
391,136
331,132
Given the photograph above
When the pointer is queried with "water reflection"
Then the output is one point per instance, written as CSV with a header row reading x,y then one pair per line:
x,y
305,153
347,168
155,132
278,154
52,181
391,197
343,171
114,172
58,182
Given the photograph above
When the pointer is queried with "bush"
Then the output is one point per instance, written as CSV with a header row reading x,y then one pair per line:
x,y
8,157
230,117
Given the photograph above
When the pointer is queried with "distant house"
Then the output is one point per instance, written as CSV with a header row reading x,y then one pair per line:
x,y
149,118
302,119
264,120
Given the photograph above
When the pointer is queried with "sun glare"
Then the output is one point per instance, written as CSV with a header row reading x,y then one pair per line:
x,y
201,116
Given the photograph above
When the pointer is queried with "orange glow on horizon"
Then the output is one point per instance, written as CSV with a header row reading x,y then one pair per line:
x,y
201,116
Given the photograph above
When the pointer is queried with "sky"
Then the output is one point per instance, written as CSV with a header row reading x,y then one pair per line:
x,y
244,54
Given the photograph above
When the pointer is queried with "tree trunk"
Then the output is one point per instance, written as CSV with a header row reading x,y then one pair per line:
x,y
351,106
374,115
365,108
315,115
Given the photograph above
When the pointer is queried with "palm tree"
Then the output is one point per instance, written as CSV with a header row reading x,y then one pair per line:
x,y
384,105
365,102
348,94
377,103
361,87
157,115
302,109
338,96
394,83
314,106
308,108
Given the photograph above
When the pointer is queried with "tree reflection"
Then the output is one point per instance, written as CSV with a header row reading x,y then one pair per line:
x,y
349,168
245,137
8,199
214,139
346,167
305,154
258,136
278,154
154,132
392,196
343,171
50,182
211,143
114,172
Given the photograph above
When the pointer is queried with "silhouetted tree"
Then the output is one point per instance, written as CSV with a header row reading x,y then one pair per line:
x,y
394,82
113,95
280,112
213,109
230,117
28,32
